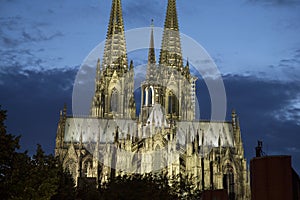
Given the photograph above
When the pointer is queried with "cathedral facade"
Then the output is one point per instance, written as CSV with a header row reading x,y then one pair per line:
x,y
165,136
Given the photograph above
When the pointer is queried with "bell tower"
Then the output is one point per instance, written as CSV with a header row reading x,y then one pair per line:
x,y
113,96
179,85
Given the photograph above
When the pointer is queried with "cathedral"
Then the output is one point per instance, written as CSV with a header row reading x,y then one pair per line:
x,y
165,137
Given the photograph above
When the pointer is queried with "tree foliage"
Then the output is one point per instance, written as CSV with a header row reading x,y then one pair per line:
x,y
149,186
25,177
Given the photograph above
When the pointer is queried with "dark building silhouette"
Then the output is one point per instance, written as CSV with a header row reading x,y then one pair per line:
x,y
273,178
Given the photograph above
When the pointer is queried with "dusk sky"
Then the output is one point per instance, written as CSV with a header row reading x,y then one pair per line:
x,y
254,43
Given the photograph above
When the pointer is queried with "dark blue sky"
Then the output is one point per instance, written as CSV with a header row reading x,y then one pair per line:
x,y
255,44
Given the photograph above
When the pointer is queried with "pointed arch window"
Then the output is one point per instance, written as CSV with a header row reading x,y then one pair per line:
x,y
172,103
114,100
145,96
157,160
150,96
228,182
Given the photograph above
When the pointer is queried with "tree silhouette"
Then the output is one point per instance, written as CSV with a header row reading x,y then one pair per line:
x,y
148,186
25,177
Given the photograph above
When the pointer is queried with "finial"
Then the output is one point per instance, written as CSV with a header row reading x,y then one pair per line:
x,y
233,112
131,65
152,23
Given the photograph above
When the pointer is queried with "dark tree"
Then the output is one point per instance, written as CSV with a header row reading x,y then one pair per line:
x,y
10,161
23,177
66,186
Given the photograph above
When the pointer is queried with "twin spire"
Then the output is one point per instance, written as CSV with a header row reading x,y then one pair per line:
x,y
115,54
170,54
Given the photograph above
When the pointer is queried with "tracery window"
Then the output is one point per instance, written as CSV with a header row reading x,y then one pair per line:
x,y
114,100
172,103
228,182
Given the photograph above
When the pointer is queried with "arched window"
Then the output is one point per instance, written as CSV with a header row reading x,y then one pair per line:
x,y
228,182
172,103
150,94
145,97
114,100
102,104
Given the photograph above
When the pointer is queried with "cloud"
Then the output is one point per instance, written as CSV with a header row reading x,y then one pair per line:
x,y
284,69
24,58
39,36
290,67
16,30
12,37
33,99
276,2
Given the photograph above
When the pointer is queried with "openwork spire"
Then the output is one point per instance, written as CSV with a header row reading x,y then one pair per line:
x,y
170,54
171,20
115,54
151,68
151,54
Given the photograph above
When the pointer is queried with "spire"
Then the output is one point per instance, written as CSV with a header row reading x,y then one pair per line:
x,y
115,54
151,56
171,21
170,54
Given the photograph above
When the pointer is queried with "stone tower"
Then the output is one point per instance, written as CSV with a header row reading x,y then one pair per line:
x,y
179,84
115,80
169,83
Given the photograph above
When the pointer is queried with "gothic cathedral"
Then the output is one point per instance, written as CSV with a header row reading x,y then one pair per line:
x,y
165,136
